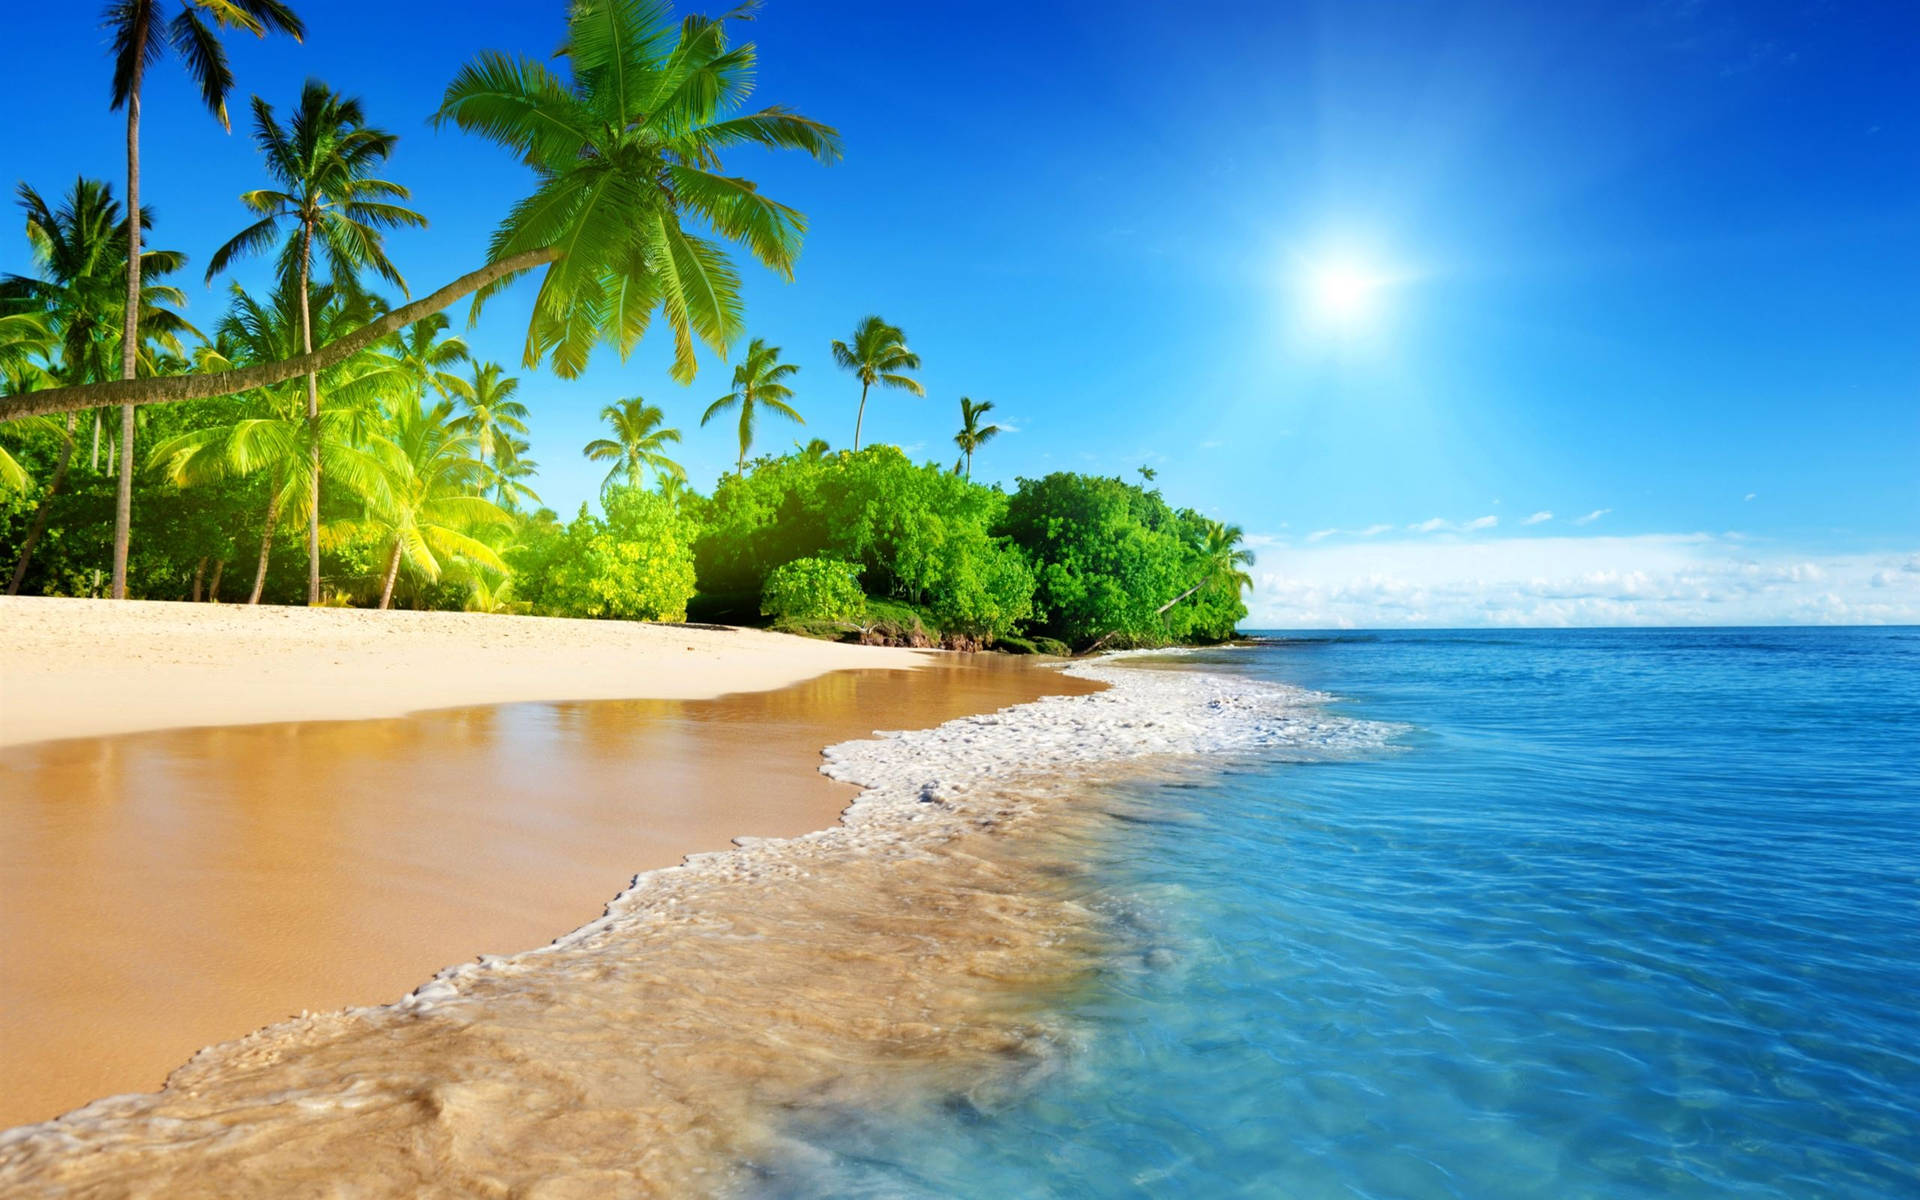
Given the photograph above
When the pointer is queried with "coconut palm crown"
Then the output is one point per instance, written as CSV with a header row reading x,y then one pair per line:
x,y
626,149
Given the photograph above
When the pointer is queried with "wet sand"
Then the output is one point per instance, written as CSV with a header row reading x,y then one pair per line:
x,y
165,891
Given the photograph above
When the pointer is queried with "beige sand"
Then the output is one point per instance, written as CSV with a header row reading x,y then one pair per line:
x,y
81,668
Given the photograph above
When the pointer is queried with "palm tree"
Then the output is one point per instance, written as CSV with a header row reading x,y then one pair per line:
x,y
756,382
492,415
973,435
878,354
433,498
329,200
1223,561
510,465
638,443
139,40
423,354
80,256
24,345
270,432
623,149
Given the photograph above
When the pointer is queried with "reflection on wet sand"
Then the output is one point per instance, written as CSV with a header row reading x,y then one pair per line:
x,y
167,891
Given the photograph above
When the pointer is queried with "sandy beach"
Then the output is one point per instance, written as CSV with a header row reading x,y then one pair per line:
x,y
84,668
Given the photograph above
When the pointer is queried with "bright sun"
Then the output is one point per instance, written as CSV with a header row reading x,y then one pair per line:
x,y
1343,293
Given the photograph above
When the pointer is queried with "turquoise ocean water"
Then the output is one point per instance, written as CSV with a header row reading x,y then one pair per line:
x,y
1619,914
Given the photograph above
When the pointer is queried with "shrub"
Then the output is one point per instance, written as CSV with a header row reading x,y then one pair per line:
x,y
814,589
636,564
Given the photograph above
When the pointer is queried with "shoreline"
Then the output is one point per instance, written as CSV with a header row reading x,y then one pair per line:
x,y
167,665
271,862
842,968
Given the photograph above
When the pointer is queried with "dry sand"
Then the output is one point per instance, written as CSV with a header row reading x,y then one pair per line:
x,y
83,668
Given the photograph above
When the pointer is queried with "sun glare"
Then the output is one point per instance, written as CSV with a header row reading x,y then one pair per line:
x,y
1343,293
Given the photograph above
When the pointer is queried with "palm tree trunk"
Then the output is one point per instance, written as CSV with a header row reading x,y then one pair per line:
x,y
213,585
313,422
860,416
93,461
129,346
266,542
199,576
969,466
171,389
41,514
1161,611
393,573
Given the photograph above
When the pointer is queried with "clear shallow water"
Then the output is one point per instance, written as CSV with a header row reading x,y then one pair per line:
x,y
1623,914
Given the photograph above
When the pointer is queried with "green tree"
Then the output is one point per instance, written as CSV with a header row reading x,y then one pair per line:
x,y
267,430
327,200
425,357
638,444
80,259
636,564
1223,562
877,354
626,153
757,383
141,37
510,469
432,503
490,414
973,434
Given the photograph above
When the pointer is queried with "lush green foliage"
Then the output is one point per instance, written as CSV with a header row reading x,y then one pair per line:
x,y
1109,556
624,150
814,589
635,563
422,449
918,534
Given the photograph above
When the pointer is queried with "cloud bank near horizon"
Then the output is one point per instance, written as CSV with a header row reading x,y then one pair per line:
x,y
1652,579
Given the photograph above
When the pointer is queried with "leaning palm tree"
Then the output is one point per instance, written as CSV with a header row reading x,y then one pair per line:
x,y
142,36
491,413
638,443
80,258
433,502
756,383
1222,561
973,435
327,201
626,152
877,354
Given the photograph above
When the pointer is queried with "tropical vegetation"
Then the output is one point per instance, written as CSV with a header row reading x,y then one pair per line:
x,y
329,439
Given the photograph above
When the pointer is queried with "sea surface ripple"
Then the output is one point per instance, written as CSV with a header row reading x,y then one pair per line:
x,y
1619,913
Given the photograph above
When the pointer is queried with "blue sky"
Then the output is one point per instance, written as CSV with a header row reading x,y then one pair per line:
x,y
1647,268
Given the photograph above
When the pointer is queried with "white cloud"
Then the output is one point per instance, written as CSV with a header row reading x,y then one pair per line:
x,y
1426,526
1369,531
1749,496
1470,526
1315,536
1591,517
1653,579
1537,518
